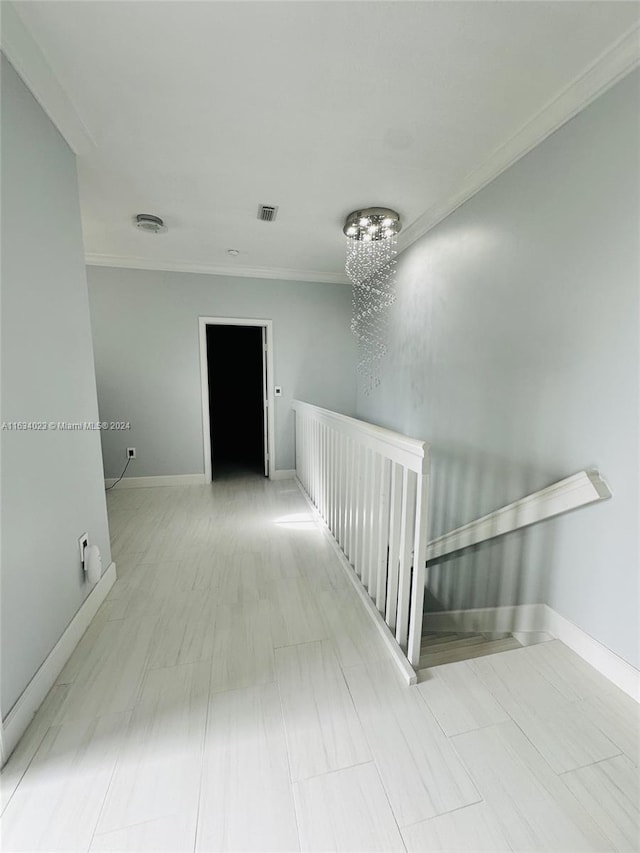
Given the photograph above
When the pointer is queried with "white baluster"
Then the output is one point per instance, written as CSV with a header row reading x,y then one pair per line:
x,y
383,536
366,517
398,475
348,544
418,576
370,487
374,514
406,543
359,508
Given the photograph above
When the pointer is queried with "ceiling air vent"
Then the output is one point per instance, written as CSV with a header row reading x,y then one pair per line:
x,y
267,213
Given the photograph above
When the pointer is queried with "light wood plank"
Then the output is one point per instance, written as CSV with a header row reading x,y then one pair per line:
x,y
419,767
23,754
459,700
473,829
535,809
295,615
566,671
58,801
617,716
610,793
322,727
560,730
171,834
184,631
238,579
246,801
243,647
352,632
109,676
77,661
158,772
346,811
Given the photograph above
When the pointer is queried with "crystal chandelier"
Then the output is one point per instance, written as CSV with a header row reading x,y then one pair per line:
x,y
371,252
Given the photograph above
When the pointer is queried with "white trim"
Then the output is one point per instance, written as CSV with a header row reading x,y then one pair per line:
x,y
203,322
578,490
529,618
410,452
152,482
284,474
407,672
34,693
23,52
608,663
266,379
612,65
278,273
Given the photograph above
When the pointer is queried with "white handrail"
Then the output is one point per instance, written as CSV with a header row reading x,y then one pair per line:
x,y
580,489
370,485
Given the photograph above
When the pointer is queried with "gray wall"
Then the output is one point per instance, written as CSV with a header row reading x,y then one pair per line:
x,y
52,481
514,351
145,330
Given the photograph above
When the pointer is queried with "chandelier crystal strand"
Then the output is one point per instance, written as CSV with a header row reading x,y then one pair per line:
x,y
370,264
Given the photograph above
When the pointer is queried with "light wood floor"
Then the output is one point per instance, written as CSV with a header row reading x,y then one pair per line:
x,y
232,695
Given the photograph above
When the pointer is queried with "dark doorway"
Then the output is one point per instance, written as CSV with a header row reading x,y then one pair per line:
x,y
236,399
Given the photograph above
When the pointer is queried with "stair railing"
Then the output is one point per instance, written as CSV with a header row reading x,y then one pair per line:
x,y
371,487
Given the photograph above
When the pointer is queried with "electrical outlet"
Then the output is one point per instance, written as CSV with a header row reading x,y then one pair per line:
x,y
83,542
131,453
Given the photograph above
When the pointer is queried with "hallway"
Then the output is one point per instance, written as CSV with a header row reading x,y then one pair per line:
x,y
233,694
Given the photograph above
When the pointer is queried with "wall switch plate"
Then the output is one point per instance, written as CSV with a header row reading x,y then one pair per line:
x,y
278,391
131,453
83,542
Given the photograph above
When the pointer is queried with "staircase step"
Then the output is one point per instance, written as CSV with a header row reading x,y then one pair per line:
x,y
437,637
459,641
454,653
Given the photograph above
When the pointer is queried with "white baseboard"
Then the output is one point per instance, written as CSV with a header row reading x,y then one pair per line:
x,y
150,482
283,474
528,618
622,674
35,692
407,672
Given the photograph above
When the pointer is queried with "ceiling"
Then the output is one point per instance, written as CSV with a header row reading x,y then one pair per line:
x,y
200,111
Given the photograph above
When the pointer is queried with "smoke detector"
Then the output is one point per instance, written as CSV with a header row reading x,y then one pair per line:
x,y
151,224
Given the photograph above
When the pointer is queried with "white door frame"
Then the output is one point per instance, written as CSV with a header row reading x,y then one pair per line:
x,y
203,322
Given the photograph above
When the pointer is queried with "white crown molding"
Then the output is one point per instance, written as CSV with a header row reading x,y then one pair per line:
x,y
612,65
24,53
279,273
31,64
